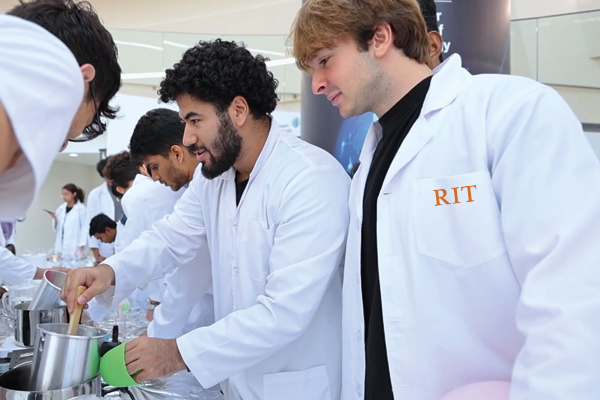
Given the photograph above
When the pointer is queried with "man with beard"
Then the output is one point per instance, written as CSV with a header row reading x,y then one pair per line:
x,y
273,215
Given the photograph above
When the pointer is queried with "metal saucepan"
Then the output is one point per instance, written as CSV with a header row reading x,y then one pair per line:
x,y
61,360
47,296
15,385
26,321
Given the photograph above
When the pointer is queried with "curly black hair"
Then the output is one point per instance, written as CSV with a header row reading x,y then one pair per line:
x,y
121,169
217,71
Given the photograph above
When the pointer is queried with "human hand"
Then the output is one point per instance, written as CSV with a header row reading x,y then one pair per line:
x,y
96,279
149,358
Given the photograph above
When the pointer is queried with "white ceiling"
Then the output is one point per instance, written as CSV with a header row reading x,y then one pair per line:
x,y
256,17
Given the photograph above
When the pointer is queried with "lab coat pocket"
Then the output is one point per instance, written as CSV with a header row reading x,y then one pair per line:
x,y
457,219
259,240
311,383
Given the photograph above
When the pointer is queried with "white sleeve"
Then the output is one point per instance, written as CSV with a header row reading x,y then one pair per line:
x,y
14,270
91,212
546,178
172,241
187,288
83,232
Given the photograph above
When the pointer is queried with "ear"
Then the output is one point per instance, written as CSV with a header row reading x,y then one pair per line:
x,y
382,41
88,72
121,190
177,152
435,48
239,111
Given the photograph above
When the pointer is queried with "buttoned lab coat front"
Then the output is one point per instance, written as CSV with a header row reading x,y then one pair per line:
x,y
499,284
100,201
275,262
70,228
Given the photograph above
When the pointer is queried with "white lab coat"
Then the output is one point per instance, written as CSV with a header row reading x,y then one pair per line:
x,y
35,66
70,228
100,201
14,270
505,287
145,203
187,301
275,264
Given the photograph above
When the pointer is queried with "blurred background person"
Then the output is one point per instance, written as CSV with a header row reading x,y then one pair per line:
x,y
102,201
9,237
70,222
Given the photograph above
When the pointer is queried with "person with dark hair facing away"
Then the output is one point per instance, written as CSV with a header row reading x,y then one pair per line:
x,y
102,201
103,228
69,221
187,302
157,140
472,254
258,210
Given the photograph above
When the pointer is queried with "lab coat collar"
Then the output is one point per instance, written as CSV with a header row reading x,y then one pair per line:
x,y
264,155
447,82
446,85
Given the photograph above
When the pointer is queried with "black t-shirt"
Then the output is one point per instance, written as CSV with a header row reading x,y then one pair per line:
x,y
395,124
239,190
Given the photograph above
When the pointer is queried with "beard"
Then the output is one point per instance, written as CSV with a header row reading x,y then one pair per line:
x,y
227,146
178,178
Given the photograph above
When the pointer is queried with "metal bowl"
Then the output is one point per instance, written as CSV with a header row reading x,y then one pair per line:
x,y
15,385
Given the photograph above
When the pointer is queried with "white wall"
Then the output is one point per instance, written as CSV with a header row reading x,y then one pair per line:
x,y
35,234
524,9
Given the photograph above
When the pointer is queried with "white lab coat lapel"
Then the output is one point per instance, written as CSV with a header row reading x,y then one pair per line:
x,y
438,96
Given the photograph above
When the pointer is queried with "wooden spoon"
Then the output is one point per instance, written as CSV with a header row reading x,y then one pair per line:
x,y
76,315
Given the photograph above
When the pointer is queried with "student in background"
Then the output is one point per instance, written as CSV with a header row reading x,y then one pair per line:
x,y
102,201
70,222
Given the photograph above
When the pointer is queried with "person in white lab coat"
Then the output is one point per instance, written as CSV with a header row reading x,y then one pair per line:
x,y
472,252
144,202
70,222
102,201
187,302
9,235
41,58
272,213
103,229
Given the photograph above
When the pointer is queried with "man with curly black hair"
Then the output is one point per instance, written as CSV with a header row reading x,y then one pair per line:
x,y
273,215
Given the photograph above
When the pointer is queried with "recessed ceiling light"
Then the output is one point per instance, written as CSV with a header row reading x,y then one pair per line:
x,y
73,155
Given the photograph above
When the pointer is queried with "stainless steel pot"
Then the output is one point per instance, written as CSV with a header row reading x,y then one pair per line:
x,y
26,321
61,360
47,296
15,385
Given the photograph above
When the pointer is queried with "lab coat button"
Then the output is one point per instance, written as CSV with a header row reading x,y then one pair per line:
x,y
235,270
358,336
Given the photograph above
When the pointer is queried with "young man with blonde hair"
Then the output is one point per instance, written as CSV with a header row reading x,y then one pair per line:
x,y
472,249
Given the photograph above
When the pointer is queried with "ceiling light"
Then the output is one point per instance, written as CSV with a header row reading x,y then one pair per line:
x,y
73,155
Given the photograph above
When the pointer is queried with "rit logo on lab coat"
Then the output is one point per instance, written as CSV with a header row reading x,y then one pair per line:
x,y
440,195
